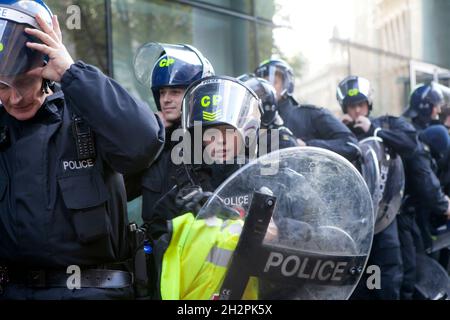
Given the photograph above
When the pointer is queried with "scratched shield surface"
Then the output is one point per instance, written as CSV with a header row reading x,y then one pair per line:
x,y
320,232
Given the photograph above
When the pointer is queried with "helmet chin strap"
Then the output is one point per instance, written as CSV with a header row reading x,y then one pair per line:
x,y
47,86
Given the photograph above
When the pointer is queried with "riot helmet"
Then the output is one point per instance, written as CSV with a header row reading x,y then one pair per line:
x,y
167,65
16,59
422,101
266,93
270,68
223,101
353,90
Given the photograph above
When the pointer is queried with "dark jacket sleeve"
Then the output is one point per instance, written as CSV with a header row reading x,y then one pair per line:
x,y
128,135
133,185
334,135
427,185
400,136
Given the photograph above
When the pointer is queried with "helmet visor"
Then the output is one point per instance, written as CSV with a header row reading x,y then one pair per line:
x,y
160,65
15,57
353,91
216,101
271,71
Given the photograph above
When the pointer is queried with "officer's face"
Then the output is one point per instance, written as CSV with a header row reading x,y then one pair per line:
x,y
222,143
278,85
437,109
171,100
23,98
447,121
358,109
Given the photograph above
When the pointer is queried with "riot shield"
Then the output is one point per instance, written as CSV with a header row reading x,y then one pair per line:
x,y
305,217
432,281
384,174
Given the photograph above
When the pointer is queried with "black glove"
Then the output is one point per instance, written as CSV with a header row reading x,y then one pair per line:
x,y
192,199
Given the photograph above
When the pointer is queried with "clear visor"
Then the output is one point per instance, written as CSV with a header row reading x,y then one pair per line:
x,y
351,89
445,92
269,72
16,59
149,54
221,101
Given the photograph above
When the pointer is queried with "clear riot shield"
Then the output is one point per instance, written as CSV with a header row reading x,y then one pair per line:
x,y
385,177
432,281
304,218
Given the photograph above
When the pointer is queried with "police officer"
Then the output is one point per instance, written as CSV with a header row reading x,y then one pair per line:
x,y
62,199
424,199
425,106
312,126
227,116
436,143
176,67
272,126
355,97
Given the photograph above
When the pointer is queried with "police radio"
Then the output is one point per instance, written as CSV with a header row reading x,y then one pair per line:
x,y
84,139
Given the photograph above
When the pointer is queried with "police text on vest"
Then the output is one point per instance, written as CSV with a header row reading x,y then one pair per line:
x,y
78,164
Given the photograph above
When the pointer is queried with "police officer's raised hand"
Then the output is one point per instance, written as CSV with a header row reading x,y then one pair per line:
x,y
346,119
364,123
52,46
301,143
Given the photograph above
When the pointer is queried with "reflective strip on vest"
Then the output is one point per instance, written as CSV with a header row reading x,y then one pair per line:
x,y
197,258
219,257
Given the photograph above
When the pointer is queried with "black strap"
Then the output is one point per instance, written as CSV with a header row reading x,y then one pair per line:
x,y
90,278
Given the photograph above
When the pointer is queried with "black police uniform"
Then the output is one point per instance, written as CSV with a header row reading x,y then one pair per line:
x,y
63,205
317,127
400,136
444,179
428,218
168,207
286,138
157,180
423,195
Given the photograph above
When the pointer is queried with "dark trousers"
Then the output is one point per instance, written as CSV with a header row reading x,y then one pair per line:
x,y
385,254
411,243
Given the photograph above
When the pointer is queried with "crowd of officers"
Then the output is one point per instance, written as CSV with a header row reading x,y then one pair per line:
x,y
75,146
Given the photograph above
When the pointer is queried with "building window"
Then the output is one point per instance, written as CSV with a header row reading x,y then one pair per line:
x,y
88,41
233,43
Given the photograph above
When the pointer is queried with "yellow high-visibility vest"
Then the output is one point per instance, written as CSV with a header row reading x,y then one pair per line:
x,y
195,263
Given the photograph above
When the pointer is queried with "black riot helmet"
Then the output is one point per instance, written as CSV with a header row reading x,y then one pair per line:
x,y
266,93
422,101
268,70
352,90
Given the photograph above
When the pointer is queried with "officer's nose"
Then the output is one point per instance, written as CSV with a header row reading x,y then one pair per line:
x,y
15,96
165,97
